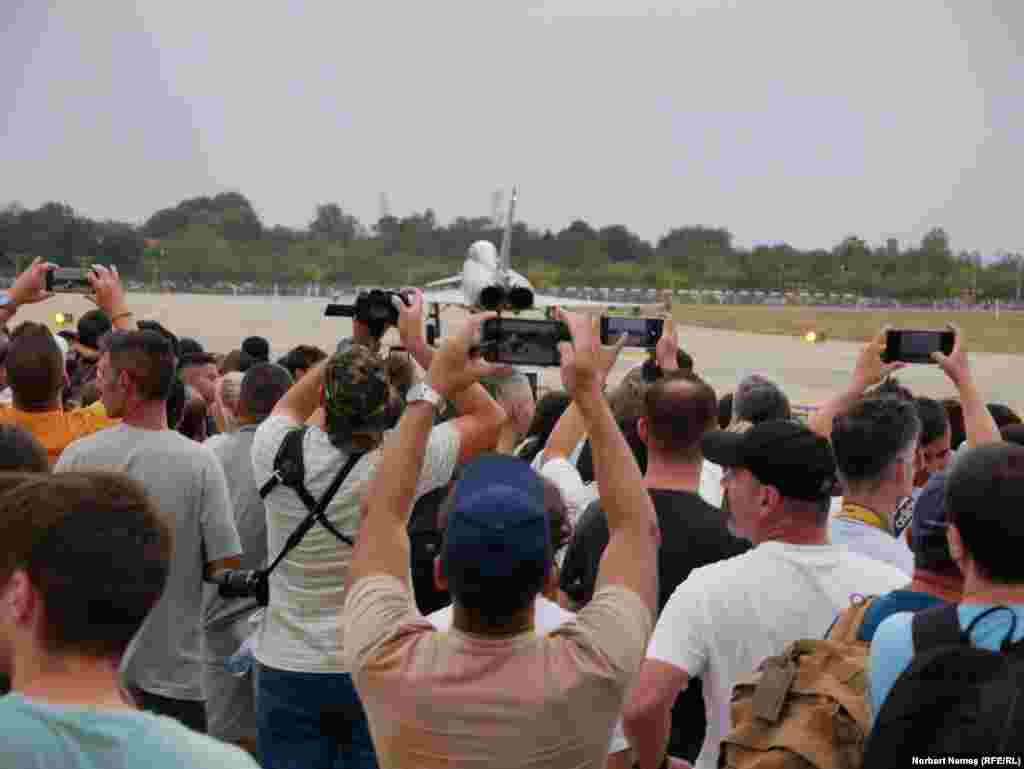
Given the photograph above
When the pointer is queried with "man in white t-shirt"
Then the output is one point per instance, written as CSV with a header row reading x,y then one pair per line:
x,y
757,399
307,711
875,445
726,618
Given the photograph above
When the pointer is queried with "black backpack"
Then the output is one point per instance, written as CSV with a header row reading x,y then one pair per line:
x,y
425,539
953,699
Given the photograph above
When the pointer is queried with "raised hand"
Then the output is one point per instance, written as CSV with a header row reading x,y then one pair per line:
x,y
410,317
955,365
108,292
457,364
582,360
666,352
30,286
870,368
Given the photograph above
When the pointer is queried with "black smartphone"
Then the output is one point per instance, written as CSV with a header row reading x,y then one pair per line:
x,y
912,346
69,280
640,332
522,341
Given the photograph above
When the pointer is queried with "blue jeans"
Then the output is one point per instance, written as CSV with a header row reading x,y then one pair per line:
x,y
311,721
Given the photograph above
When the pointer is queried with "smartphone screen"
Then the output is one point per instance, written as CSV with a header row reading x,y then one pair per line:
x,y
523,342
917,346
640,332
68,280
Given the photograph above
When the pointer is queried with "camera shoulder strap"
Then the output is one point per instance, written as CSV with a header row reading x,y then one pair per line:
x,y
290,468
316,513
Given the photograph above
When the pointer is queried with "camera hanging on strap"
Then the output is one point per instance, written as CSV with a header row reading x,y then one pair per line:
x,y
290,471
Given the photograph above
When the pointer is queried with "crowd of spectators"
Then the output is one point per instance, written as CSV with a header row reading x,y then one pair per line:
x,y
440,568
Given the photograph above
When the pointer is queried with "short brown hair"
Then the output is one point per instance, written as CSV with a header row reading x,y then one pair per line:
x,y
148,356
35,365
262,387
95,547
21,451
680,407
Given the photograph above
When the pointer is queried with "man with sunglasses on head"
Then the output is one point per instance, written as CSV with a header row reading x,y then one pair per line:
x,y
307,711
136,375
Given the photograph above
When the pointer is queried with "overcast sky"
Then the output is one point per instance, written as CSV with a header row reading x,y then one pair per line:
x,y
784,120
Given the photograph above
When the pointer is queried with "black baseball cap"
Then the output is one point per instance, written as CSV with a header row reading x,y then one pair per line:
x,y
257,347
782,453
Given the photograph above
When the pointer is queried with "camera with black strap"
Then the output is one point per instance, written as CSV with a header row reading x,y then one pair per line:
x,y
290,471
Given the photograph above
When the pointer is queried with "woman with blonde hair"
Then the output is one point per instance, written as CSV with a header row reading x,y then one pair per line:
x,y
225,406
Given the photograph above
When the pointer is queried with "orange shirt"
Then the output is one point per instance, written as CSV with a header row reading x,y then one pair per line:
x,y
56,429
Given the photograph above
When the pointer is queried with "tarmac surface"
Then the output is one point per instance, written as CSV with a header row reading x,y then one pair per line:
x,y
809,373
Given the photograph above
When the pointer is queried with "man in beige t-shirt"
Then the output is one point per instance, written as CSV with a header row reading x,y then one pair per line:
x,y
491,691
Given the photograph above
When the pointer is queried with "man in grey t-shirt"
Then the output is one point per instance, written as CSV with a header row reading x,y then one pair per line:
x,y
185,480
230,707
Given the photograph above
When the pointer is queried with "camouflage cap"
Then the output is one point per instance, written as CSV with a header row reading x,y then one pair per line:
x,y
355,387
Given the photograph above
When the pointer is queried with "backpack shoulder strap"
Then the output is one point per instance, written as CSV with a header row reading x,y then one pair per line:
x,y
936,627
847,625
290,467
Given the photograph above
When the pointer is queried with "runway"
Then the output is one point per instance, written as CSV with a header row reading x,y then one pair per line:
x,y
809,373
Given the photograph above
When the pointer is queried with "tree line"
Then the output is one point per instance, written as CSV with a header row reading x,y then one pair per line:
x,y
206,240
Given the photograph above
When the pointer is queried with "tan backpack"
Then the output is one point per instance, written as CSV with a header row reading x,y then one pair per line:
x,y
807,708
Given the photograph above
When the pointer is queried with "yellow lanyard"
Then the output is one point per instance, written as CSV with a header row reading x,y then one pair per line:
x,y
853,511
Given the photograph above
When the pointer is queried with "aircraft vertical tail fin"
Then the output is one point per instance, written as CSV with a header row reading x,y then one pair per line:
x,y
504,255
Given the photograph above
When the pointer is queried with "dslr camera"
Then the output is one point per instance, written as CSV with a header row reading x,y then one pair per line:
x,y
245,584
374,308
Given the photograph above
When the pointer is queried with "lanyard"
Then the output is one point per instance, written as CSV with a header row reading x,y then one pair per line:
x,y
853,511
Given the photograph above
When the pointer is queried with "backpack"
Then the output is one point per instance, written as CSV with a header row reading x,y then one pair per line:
x,y
953,699
806,708
425,539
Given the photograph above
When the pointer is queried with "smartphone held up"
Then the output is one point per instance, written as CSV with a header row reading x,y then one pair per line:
x,y
640,332
916,346
69,280
523,342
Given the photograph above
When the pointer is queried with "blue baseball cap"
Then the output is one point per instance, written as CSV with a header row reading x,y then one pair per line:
x,y
497,545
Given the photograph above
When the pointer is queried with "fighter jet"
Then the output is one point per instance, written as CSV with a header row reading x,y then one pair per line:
x,y
488,282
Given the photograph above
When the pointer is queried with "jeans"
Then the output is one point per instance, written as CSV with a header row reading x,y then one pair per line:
x,y
311,721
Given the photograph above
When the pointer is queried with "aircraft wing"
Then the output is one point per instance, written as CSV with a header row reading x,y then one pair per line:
x,y
455,281
542,301
444,295
453,296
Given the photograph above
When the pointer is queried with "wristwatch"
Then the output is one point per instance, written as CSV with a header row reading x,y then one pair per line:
x,y
6,300
421,391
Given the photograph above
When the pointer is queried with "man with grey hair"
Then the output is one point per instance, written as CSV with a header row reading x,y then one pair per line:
x,y
514,394
230,699
758,399
875,441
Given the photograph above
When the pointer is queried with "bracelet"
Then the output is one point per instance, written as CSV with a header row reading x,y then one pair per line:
x,y
125,314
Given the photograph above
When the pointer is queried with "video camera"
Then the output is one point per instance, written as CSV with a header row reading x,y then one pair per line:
x,y
245,584
374,308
